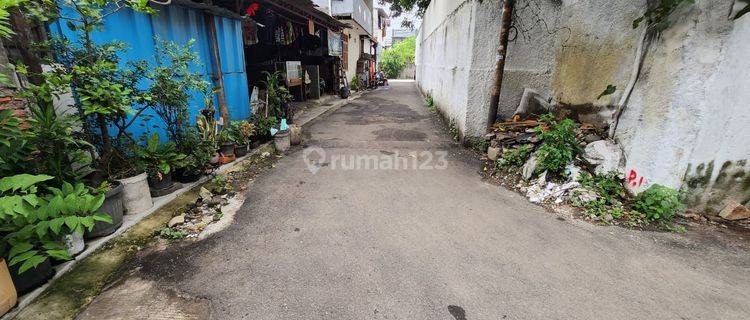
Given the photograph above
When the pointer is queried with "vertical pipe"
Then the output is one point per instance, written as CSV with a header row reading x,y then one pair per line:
x,y
500,62
217,75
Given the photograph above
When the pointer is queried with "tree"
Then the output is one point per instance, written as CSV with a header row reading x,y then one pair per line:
x,y
396,58
398,7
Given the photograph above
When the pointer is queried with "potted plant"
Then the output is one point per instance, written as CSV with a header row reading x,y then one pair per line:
x,y
263,127
33,225
112,207
199,154
160,159
226,142
135,193
244,130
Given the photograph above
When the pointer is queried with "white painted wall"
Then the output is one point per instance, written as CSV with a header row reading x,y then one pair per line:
x,y
443,58
686,123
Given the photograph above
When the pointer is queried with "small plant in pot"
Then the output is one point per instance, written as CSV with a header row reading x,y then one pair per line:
x,y
198,159
33,225
244,131
226,142
160,159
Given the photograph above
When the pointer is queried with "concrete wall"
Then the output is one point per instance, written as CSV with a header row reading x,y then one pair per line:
x,y
685,124
442,58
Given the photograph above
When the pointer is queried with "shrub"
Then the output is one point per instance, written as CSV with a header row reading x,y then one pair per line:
x,y
356,84
559,145
659,203
396,58
515,157
607,186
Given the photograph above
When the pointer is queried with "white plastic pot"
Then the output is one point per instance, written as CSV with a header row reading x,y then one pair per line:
x,y
281,141
74,243
136,195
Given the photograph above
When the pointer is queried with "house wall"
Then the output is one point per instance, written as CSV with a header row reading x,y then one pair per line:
x,y
685,124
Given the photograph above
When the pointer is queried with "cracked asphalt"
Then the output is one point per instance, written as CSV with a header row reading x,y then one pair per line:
x,y
360,239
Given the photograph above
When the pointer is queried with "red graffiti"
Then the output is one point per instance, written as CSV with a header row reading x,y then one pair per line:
x,y
634,180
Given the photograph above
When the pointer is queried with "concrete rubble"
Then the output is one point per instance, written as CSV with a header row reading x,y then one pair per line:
x,y
605,155
734,211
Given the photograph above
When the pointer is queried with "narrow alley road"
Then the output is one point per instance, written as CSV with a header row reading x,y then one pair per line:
x,y
360,240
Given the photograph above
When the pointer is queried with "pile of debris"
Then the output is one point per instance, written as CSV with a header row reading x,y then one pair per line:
x,y
599,156
214,199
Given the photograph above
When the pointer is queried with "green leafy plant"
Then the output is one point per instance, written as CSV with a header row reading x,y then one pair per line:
x,y
479,145
608,186
659,203
198,151
160,158
171,233
430,103
220,185
172,81
515,157
278,95
559,145
244,131
264,124
32,225
15,146
356,83
395,59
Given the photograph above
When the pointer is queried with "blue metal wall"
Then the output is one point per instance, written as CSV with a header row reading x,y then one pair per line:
x,y
178,24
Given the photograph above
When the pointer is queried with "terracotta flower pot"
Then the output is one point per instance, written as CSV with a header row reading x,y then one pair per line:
x,y
8,295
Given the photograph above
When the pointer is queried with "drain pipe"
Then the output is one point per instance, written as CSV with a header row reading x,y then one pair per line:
x,y
505,25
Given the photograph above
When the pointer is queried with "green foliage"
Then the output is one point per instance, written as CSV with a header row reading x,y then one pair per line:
x,y
278,95
659,203
515,157
479,144
559,145
160,158
171,233
398,7
453,130
397,57
608,187
199,152
245,131
172,82
430,103
264,124
220,185
32,224
656,14
15,146
356,84
60,151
